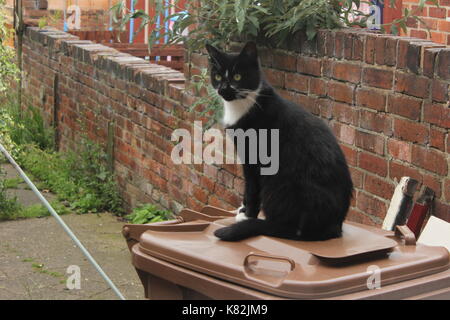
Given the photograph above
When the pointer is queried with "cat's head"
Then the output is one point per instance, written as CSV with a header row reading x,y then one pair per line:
x,y
235,75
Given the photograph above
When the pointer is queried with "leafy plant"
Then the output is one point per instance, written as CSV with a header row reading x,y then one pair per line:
x,y
49,20
271,21
38,210
29,126
148,213
8,68
78,177
8,206
218,21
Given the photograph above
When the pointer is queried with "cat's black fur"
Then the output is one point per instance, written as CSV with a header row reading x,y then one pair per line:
x,y
309,197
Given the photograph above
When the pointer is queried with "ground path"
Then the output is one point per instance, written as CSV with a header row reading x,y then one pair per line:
x,y
35,255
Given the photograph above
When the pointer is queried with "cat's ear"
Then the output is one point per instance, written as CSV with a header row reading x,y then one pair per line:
x,y
250,50
214,53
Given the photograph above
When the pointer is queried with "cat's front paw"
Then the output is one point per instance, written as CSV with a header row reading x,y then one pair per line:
x,y
241,216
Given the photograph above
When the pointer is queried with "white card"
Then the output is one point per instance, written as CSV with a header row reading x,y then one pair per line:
x,y
436,233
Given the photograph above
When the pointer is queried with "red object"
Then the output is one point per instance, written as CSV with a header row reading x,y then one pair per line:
x,y
420,210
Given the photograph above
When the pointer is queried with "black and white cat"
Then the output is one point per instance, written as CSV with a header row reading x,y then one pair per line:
x,y
308,198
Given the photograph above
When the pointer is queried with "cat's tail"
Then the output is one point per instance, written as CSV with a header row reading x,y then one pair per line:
x,y
255,227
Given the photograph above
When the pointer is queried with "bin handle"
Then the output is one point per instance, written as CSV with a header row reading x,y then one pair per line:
x,y
253,254
407,234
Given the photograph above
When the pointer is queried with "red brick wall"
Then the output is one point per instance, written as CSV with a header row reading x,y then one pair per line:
x,y
386,99
435,18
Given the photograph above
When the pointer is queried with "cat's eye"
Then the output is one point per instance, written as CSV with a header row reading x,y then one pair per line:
x,y
218,77
237,77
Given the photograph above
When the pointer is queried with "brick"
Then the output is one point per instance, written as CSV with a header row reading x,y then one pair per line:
x,y
437,114
412,23
200,194
398,170
285,61
371,98
437,139
339,37
434,183
274,77
345,113
413,57
402,53
351,155
379,187
348,46
405,106
321,42
340,91
358,48
370,142
329,45
439,91
429,60
346,72
429,159
411,131
375,121
390,57
378,78
296,82
412,85
370,49
438,37
419,34
400,150
380,50
444,25
443,62
431,24
372,163
447,189
318,86
308,65
371,205
357,177
438,12
327,68
345,133
309,103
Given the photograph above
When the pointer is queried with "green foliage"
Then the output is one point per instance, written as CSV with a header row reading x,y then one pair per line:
x,y
8,68
218,21
275,21
78,177
28,126
8,206
12,183
50,19
38,210
148,213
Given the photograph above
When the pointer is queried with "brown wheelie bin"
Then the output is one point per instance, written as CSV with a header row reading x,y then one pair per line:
x,y
182,259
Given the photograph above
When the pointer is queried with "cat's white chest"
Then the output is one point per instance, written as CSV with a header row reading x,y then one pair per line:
x,y
236,109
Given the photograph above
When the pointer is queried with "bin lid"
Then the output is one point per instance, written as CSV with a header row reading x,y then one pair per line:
x,y
362,259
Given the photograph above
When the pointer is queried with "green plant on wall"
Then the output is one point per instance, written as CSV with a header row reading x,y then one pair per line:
x,y
219,21
8,67
50,19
